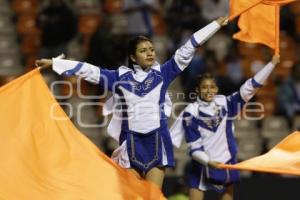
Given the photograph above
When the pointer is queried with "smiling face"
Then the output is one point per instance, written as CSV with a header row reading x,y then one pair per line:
x,y
144,54
207,89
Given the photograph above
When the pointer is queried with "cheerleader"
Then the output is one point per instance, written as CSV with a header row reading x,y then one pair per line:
x,y
140,90
207,126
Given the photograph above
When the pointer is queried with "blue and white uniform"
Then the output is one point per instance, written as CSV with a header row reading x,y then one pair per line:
x,y
143,136
208,130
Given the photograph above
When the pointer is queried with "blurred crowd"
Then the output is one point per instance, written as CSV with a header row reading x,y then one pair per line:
x,y
96,31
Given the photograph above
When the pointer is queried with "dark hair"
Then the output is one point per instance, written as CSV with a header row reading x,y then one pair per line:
x,y
132,45
206,75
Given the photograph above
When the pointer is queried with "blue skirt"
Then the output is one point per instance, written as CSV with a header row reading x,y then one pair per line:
x,y
150,150
198,177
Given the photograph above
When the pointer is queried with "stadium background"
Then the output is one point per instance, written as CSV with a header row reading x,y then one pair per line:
x,y
97,31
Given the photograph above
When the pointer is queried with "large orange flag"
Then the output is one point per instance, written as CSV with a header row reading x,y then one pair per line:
x,y
44,157
259,21
284,158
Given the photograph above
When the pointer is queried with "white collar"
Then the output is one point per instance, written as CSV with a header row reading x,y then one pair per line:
x,y
139,74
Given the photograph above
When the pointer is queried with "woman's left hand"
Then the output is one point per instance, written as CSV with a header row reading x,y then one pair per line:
x,y
223,21
275,59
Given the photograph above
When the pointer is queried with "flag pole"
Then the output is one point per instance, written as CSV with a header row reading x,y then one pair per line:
x,y
277,31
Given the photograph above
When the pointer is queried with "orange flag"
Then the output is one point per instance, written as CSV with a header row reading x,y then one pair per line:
x,y
284,158
44,157
238,7
259,21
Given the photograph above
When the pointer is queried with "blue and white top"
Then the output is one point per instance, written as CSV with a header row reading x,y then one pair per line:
x,y
142,93
208,126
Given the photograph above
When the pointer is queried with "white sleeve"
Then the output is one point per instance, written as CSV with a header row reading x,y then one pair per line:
x,y
261,76
61,65
201,157
250,87
177,131
205,33
185,53
197,152
86,71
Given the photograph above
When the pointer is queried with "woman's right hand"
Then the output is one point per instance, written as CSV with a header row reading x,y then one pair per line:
x,y
214,164
43,63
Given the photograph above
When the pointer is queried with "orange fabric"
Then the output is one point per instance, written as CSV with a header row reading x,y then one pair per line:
x,y
258,25
259,21
284,158
44,157
238,7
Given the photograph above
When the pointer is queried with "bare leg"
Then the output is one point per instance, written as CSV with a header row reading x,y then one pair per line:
x,y
136,173
156,176
228,195
196,194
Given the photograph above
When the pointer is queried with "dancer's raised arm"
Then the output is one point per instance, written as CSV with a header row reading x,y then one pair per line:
x,y
184,55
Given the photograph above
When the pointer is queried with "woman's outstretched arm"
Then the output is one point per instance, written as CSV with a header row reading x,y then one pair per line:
x,y
88,72
238,99
249,88
184,55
